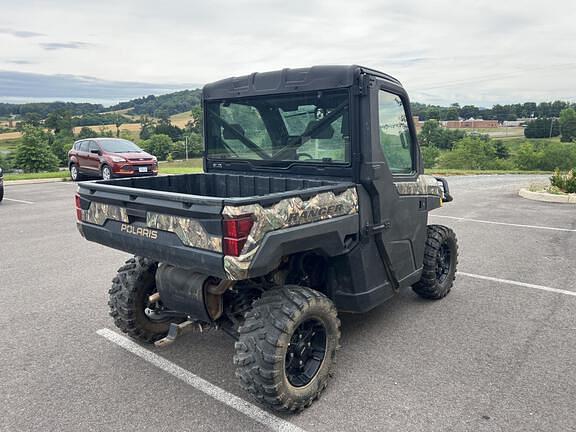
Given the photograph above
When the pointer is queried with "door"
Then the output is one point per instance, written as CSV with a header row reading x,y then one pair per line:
x,y
82,155
403,212
93,161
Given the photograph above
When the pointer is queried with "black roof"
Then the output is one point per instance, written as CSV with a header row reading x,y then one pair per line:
x,y
290,80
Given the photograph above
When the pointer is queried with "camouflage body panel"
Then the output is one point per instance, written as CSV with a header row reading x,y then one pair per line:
x,y
190,231
286,213
98,213
425,185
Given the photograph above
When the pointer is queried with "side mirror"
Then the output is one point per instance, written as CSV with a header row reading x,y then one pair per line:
x,y
95,151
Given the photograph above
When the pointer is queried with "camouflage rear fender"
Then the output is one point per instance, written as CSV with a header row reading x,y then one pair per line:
x,y
286,213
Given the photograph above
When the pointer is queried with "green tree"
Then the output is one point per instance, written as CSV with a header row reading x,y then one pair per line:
x,y
60,144
475,154
59,121
433,134
501,149
542,128
568,125
430,155
33,154
86,132
159,145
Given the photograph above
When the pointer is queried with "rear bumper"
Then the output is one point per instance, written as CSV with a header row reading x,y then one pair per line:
x,y
166,248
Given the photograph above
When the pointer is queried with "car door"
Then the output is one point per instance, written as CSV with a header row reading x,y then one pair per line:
x,y
93,159
82,156
403,212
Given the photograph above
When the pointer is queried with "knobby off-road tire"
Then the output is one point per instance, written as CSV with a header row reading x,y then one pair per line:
x,y
279,325
440,261
129,294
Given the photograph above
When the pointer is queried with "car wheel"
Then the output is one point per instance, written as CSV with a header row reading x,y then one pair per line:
x,y
106,172
75,173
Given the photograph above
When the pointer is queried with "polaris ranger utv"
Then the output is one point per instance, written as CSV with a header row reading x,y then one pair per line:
x,y
312,201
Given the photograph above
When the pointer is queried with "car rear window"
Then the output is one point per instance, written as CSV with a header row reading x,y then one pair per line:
x,y
83,146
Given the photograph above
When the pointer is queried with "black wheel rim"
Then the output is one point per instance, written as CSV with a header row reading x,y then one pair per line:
x,y
443,262
306,352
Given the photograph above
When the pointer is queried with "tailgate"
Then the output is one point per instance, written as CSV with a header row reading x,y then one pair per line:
x,y
182,230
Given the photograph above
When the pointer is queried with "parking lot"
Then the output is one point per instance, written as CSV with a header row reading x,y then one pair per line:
x,y
497,354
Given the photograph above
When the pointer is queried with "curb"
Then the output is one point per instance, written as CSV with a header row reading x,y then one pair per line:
x,y
35,181
547,197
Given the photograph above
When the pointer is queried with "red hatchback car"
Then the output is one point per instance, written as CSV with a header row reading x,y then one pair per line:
x,y
108,158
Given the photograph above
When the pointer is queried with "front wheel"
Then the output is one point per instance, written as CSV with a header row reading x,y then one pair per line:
x,y
106,172
440,261
75,173
286,348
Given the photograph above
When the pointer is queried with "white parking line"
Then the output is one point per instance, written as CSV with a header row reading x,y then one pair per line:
x,y
240,405
20,201
522,284
504,223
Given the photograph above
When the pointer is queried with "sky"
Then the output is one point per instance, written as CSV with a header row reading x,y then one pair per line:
x,y
443,51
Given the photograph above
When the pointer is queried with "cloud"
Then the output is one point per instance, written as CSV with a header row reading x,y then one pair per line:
x,y
53,46
20,62
20,33
483,52
21,86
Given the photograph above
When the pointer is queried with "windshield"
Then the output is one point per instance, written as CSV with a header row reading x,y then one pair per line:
x,y
119,146
305,127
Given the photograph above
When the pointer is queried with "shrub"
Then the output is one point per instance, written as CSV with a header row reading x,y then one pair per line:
x,y
476,154
34,154
159,145
430,156
565,181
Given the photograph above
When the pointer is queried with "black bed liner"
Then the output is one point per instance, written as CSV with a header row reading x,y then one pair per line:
x,y
211,188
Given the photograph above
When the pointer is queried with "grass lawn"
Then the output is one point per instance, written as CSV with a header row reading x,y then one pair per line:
x,y
35,176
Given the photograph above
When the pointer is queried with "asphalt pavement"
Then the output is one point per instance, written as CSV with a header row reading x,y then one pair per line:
x,y
496,354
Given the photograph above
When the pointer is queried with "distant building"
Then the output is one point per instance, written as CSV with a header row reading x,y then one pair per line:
x,y
471,123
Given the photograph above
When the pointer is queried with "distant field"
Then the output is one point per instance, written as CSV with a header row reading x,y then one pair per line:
x,y
502,132
181,119
130,127
10,135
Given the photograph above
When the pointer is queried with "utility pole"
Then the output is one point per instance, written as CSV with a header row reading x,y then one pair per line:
x,y
186,144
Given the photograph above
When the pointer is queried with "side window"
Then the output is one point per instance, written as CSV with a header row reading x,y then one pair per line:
x,y
83,146
93,146
394,133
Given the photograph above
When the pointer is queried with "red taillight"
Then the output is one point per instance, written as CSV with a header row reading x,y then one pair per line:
x,y
78,208
236,231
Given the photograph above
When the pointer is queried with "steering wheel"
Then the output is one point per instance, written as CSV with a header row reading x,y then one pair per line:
x,y
306,155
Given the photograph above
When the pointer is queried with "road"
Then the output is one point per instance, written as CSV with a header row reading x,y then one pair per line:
x,y
496,354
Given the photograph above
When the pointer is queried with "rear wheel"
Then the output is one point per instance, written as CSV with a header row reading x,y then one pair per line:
x,y
106,172
287,346
440,261
134,283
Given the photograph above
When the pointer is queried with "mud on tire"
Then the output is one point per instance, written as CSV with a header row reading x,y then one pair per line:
x,y
131,287
269,337
440,261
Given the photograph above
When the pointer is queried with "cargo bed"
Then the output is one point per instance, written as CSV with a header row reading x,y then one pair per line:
x,y
178,219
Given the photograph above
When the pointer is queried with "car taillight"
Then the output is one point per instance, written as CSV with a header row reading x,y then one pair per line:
x,y
78,208
236,231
